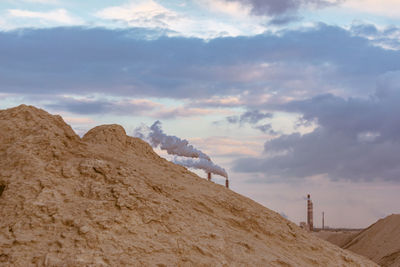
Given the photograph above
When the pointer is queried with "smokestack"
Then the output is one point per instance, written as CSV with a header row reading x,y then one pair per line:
x,y
190,156
209,176
323,220
310,213
227,183
202,164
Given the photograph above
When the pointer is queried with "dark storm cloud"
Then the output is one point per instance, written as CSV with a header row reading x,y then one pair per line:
x,y
251,117
279,7
120,63
356,139
283,11
265,128
284,19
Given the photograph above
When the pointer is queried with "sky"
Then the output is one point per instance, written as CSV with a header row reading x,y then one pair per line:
x,y
291,97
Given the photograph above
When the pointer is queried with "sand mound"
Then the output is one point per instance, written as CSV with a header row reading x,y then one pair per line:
x,y
380,242
339,238
108,200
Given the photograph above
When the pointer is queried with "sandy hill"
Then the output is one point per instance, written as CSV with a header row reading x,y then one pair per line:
x,y
108,200
380,242
339,238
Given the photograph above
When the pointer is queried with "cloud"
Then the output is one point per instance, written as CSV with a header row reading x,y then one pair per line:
x,y
185,111
282,11
225,146
356,139
249,72
265,128
234,8
78,120
60,16
219,101
387,8
251,117
146,14
386,37
132,107
89,106
284,19
153,15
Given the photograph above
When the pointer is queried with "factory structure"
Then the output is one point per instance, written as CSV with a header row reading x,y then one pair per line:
x,y
310,214
309,225
226,179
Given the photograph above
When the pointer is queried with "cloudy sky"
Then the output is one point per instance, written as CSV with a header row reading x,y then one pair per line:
x,y
290,96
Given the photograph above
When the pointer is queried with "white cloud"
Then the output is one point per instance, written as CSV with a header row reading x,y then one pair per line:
x,y
149,14
389,8
60,16
236,9
2,23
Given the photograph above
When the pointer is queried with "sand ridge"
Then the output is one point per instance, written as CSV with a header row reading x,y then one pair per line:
x,y
380,242
338,237
108,200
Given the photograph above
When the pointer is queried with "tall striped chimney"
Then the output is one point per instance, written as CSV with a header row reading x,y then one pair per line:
x,y
309,213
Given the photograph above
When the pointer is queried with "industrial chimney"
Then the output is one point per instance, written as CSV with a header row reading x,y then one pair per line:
x,y
309,213
227,183
209,176
323,220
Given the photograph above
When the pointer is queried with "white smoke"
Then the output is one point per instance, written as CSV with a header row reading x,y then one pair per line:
x,y
201,164
172,144
193,158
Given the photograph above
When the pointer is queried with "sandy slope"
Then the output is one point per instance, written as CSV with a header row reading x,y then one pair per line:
x,y
108,200
339,238
380,242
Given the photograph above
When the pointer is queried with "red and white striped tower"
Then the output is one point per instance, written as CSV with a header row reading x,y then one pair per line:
x,y
309,213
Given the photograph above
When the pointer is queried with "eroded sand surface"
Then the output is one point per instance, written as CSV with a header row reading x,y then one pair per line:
x,y
339,238
108,200
379,242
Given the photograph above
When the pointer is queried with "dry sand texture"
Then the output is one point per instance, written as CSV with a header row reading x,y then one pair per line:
x,y
108,200
379,242
339,238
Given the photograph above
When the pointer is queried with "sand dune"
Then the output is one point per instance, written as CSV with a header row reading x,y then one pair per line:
x,y
339,238
108,200
380,242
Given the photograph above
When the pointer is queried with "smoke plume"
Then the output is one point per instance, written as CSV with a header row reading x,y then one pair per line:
x,y
188,155
172,144
201,164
